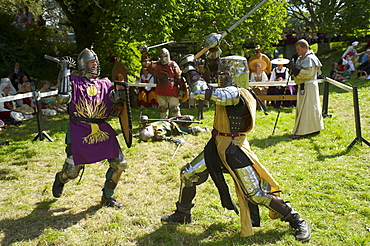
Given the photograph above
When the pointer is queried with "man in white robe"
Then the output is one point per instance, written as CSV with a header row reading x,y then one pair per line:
x,y
309,119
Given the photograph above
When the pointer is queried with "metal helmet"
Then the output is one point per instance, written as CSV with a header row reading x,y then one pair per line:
x,y
146,133
144,120
83,58
164,56
233,70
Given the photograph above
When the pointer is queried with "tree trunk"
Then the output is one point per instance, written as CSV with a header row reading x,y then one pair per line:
x,y
85,37
322,47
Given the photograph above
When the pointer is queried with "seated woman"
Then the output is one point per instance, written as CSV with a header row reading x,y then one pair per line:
x,y
259,76
26,88
5,78
50,102
7,109
147,97
281,73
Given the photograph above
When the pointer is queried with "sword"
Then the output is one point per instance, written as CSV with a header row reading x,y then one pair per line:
x,y
222,35
157,45
181,121
51,58
179,142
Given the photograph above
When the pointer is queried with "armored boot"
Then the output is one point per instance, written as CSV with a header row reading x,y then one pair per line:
x,y
110,201
182,215
303,231
283,209
68,173
114,172
57,186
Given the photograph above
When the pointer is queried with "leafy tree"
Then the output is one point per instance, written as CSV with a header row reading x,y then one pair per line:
x,y
347,18
119,26
197,21
28,46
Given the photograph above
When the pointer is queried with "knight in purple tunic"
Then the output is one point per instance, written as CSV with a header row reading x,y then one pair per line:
x,y
90,100
89,138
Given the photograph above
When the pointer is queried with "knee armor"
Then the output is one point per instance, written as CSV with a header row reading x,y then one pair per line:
x,y
162,109
195,172
256,191
70,171
175,111
192,174
118,165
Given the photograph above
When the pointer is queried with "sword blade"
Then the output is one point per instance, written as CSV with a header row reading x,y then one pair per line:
x,y
51,58
174,153
243,18
182,121
157,45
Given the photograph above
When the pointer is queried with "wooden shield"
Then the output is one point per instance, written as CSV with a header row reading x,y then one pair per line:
x,y
125,118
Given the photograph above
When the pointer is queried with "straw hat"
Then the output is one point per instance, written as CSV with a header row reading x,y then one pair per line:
x,y
257,47
26,109
253,63
280,61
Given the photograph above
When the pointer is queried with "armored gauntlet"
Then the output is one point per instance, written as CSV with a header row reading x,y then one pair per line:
x,y
118,102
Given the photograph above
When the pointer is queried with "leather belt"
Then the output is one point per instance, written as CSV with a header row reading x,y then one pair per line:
x,y
168,79
215,133
88,120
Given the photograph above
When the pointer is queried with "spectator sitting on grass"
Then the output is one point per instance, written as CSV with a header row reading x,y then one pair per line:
x,y
7,109
50,102
335,71
346,74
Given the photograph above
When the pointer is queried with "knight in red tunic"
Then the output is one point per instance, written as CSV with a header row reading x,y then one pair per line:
x,y
168,75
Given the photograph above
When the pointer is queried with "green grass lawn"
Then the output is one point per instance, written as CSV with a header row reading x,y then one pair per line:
x,y
327,182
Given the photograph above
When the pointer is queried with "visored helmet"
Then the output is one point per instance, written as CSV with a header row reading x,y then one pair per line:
x,y
164,56
83,58
146,133
233,70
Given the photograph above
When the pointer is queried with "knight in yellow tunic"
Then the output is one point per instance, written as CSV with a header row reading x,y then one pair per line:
x,y
228,151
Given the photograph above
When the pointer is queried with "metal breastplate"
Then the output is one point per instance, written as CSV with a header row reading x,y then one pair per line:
x,y
239,117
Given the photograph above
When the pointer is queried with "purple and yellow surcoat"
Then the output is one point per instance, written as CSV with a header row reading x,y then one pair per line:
x,y
91,142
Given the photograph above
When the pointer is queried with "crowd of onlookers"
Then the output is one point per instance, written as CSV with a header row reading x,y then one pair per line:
x,y
25,18
290,37
18,81
350,61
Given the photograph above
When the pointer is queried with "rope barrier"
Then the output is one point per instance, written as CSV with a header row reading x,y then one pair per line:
x,y
37,95
359,139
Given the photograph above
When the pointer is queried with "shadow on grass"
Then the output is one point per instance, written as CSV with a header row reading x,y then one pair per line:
x,y
321,157
34,224
273,140
215,234
29,128
6,174
269,141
